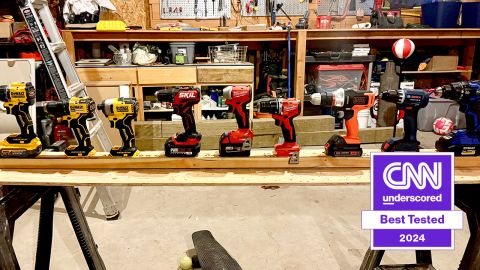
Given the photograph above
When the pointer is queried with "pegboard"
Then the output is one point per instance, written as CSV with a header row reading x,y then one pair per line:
x,y
291,7
336,7
170,9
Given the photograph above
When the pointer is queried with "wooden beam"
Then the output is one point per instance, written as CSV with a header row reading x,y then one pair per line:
x,y
217,177
300,54
260,159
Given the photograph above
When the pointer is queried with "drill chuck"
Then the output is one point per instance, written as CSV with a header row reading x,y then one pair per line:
x,y
271,106
394,96
329,99
165,95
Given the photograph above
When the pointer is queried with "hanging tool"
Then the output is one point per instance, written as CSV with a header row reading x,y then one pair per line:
x,y
121,112
237,142
206,8
17,98
220,7
75,114
283,110
213,7
463,142
185,144
289,28
273,12
410,101
350,102
280,7
195,7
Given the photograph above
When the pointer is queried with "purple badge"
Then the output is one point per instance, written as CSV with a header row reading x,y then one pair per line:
x,y
412,201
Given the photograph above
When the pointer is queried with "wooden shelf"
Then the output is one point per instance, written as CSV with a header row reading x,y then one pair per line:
x,y
392,34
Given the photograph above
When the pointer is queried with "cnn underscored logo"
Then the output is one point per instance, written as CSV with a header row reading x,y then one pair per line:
x,y
408,173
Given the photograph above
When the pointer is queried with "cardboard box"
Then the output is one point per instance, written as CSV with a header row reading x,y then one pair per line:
x,y
18,26
443,63
5,31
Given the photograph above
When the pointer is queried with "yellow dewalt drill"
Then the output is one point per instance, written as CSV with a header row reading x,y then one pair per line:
x,y
74,114
17,97
121,112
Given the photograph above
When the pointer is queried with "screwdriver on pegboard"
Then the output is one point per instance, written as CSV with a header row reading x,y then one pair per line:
x,y
213,7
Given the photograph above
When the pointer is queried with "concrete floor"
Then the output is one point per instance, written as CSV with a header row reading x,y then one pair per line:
x,y
294,228
291,228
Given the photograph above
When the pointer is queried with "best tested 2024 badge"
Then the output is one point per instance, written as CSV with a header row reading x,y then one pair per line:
x,y
412,201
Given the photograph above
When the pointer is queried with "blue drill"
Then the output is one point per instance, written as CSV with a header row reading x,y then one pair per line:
x,y
465,142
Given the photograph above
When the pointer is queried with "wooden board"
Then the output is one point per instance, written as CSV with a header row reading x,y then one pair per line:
x,y
211,177
107,74
260,159
177,75
231,74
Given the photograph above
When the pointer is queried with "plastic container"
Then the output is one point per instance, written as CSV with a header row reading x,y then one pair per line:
x,y
363,118
185,48
441,14
471,15
440,107
331,77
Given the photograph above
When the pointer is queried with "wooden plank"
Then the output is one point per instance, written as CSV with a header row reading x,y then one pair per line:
x,y
70,44
225,74
167,75
301,53
468,56
260,159
108,74
246,177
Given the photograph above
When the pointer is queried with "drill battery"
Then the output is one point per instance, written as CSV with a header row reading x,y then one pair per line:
x,y
182,146
17,98
236,143
336,146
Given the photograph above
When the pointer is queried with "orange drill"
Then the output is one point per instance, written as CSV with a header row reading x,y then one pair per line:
x,y
350,102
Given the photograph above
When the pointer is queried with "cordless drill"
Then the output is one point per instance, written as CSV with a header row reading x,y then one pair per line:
x,y
350,102
121,112
410,101
185,144
74,113
237,142
17,97
463,142
283,110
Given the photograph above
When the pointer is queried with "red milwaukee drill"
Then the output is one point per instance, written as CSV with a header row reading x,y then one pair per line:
x,y
283,110
350,102
237,143
185,144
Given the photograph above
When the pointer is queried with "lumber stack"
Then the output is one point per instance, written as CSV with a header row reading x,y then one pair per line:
x,y
311,131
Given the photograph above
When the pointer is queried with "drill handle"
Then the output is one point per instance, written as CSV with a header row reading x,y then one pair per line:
x,y
410,124
187,119
24,120
126,131
351,124
288,129
241,115
80,130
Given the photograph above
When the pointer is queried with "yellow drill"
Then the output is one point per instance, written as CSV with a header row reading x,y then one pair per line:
x,y
121,112
17,97
74,113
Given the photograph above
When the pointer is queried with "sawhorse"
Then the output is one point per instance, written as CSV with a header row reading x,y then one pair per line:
x,y
15,200
467,199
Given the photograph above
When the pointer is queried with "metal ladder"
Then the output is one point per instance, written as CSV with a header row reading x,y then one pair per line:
x,y
55,56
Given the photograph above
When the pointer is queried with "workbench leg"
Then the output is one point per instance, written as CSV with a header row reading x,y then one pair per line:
x,y
45,232
466,198
109,207
80,226
423,256
8,259
372,259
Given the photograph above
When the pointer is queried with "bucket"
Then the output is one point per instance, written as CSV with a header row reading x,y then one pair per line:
x,y
470,15
441,14
185,48
363,117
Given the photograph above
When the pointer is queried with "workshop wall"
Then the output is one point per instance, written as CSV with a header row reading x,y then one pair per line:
x,y
236,19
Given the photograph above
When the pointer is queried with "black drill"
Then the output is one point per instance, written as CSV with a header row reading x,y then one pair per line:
x,y
74,114
184,144
410,101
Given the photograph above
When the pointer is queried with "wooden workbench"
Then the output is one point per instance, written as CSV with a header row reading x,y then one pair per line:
x,y
154,169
